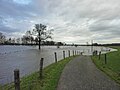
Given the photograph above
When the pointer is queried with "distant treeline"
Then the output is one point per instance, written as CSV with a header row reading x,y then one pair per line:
x,y
43,43
94,44
52,43
112,44
27,39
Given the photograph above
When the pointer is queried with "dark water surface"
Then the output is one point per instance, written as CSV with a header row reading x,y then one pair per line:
x,y
27,58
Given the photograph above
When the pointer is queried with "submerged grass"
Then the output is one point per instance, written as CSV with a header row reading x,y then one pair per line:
x,y
112,68
51,75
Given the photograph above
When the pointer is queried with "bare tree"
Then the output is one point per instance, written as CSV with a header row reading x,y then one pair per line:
x,y
13,40
10,40
42,33
18,40
2,38
30,37
36,40
24,39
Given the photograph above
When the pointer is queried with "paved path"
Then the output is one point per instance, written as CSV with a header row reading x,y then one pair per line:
x,y
82,74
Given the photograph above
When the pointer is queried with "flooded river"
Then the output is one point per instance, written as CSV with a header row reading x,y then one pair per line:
x,y
27,58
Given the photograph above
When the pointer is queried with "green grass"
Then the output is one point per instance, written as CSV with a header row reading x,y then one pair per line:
x,y
51,75
112,68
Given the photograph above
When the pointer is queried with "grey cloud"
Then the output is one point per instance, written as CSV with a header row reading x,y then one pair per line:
x,y
7,29
106,27
13,10
88,19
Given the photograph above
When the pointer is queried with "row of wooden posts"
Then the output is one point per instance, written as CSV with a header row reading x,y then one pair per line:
x,y
17,75
105,56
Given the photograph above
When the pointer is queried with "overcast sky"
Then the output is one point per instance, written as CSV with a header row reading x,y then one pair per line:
x,y
73,21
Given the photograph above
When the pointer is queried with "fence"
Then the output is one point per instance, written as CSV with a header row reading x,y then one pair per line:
x,y
17,81
100,57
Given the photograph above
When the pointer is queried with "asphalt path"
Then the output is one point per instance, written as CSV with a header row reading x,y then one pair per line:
x,y
82,74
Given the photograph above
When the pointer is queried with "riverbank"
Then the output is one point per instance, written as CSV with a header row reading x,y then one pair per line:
x,y
51,75
112,67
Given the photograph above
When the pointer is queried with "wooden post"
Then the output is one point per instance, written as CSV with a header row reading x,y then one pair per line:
x,y
73,52
69,53
63,54
96,52
41,68
55,57
99,55
93,53
81,53
105,59
17,79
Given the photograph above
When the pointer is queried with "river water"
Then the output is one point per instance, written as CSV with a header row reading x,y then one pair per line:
x,y
27,58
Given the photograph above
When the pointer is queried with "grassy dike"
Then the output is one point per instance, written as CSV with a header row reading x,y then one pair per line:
x,y
112,68
51,75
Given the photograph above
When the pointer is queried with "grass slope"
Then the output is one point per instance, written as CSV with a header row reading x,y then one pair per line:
x,y
51,75
112,68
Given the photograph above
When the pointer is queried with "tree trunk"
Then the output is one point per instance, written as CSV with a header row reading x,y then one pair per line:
x,y
39,44
39,41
